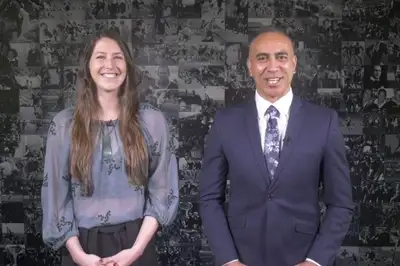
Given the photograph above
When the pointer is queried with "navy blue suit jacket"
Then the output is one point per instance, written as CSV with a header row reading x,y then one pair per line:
x,y
278,222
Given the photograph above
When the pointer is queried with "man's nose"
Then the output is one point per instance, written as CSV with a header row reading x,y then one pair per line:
x,y
272,65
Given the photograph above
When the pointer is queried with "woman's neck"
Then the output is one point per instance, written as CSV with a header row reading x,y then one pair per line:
x,y
109,107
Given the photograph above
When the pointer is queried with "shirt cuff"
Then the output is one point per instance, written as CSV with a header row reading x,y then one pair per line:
x,y
310,260
226,264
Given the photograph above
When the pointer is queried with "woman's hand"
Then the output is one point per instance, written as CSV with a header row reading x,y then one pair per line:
x,y
124,258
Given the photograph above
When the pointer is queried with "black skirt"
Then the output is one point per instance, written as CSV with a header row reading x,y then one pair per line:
x,y
108,240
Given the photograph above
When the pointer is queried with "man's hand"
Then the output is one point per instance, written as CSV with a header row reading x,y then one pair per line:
x,y
306,263
124,258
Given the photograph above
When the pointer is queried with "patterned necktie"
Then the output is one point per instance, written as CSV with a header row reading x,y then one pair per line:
x,y
271,143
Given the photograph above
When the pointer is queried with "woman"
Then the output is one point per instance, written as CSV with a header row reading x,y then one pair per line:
x,y
110,177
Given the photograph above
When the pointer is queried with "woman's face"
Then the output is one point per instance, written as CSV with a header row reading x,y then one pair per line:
x,y
107,65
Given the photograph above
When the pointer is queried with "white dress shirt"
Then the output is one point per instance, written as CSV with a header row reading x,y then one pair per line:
x,y
283,106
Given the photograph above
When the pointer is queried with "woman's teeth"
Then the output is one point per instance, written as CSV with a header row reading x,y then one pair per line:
x,y
109,75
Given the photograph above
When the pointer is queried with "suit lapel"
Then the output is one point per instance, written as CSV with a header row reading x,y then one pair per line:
x,y
253,133
296,117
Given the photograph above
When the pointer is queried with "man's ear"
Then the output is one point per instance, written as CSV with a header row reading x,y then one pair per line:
x,y
248,67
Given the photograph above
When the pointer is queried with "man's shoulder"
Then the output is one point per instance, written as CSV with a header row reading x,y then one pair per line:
x,y
234,109
315,109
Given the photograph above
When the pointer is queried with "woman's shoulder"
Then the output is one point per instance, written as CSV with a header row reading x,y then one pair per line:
x,y
64,117
151,114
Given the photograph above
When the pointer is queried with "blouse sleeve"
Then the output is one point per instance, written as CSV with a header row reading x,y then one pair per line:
x,y
56,197
162,200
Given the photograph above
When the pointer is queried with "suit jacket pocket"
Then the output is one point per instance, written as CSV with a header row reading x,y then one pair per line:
x,y
306,227
236,221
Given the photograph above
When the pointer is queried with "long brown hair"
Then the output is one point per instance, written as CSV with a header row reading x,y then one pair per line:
x,y
84,127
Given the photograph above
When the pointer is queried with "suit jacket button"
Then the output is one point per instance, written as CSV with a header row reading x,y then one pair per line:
x,y
270,197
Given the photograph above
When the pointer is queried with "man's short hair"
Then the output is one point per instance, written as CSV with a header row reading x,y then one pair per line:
x,y
273,29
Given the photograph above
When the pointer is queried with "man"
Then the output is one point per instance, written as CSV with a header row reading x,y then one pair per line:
x,y
275,149
163,81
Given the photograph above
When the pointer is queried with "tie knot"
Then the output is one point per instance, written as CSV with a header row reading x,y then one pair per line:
x,y
272,111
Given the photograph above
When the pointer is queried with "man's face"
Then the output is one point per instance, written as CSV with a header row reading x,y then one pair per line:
x,y
377,72
381,96
272,64
367,94
163,73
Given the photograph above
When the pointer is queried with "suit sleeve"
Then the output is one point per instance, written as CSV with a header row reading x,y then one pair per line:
x,y
337,197
213,177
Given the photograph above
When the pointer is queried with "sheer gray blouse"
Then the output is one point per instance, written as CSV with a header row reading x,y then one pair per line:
x,y
114,199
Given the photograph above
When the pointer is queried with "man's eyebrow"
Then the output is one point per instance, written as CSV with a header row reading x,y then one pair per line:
x,y
267,54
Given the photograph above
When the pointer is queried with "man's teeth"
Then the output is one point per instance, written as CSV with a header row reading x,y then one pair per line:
x,y
273,80
109,75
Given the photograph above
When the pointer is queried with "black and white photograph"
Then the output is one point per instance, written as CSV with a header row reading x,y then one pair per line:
x,y
235,53
375,77
255,25
161,87
13,255
375,10
74,31
329,30
394,51
353,53
143,31
376,29
195,101
306,76
166,29
329,76
348,256
52,54
352,124
51,78
188,8
376,53
115,9
392,145
213,9
18,54
200,76
236,21
353,77
52,30
393,77
27,26
376,256
123,27
13,233
52,9
71,54
93,26
351,28
75,9
261,9
300,29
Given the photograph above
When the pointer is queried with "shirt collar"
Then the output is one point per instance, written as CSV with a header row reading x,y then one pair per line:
x,y
283,104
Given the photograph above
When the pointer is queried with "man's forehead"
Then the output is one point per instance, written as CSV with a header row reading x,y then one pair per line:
x,y
271,42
